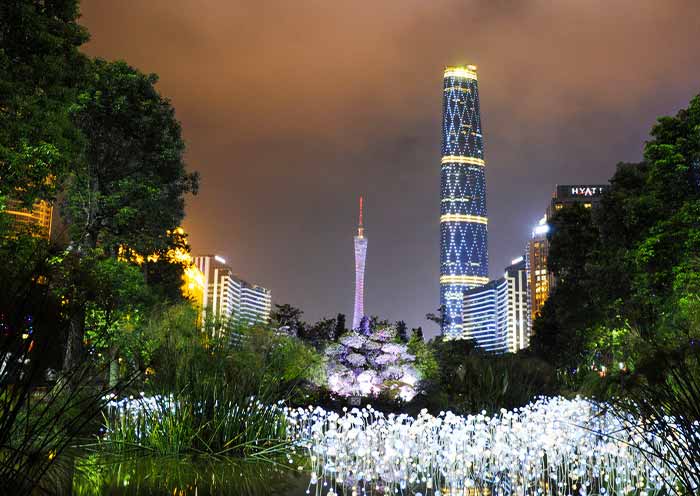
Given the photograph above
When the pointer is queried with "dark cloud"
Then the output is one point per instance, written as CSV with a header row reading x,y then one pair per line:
x,y
293,109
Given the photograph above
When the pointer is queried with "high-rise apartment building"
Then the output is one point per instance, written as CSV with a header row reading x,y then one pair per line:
x,y
360,243
256,303
541,281
35,220
228,297
463,219
485,318
496,314
518,329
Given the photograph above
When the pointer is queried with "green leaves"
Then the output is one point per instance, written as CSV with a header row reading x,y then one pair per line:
x,y
40,71
132,185
635,261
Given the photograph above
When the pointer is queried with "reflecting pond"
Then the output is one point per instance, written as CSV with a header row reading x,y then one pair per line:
x,y
97,476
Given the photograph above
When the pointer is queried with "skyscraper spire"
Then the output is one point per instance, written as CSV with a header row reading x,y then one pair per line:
x,y
360,256
360,227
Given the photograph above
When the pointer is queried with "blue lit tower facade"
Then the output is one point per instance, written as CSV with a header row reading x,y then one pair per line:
x,y
360,257
463,220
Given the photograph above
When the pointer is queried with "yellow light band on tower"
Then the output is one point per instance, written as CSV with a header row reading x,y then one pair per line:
x,y
457,88
477,219
476,280
459,159
468,72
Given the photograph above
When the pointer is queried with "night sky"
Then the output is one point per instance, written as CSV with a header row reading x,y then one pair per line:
x,y
292,109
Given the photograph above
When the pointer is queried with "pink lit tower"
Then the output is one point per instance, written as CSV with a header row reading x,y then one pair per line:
x,y
360,256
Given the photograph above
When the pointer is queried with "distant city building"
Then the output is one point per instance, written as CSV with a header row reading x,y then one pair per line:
x,y
228,297
583,194
463,219
35,220
518,331
256,303
485,318
540,280
496,314
360,243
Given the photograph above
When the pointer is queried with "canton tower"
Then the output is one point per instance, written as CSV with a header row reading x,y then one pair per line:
x,y
360,256
463,221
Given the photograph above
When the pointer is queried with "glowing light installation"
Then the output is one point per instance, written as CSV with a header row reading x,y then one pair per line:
x,y
463,220
363,365
360,257
551,447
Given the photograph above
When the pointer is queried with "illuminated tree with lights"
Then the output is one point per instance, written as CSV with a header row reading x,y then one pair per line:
x,y
364,365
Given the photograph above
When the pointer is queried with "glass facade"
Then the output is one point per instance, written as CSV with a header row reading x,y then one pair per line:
x,y
486,316
463,219
255,304
228,297
495,315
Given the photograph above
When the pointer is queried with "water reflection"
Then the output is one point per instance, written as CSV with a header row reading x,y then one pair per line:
x,y
98,476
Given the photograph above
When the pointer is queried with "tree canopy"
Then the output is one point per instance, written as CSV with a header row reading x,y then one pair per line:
x,y
41,71
130,189
625,270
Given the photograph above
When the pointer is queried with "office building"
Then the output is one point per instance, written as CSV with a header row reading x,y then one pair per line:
x,y
485,318
228,297
463,218
256,303
496,314
518,329
540,280
587,195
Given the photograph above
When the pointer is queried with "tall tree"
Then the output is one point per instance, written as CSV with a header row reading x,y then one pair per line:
x,y
40,72
573,243
438,318
285,315
401,331
417,333
339,326
627,271
128,191
322,331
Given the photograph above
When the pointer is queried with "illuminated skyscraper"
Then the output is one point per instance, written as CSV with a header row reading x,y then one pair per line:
x,y
463,221
540,280
360,257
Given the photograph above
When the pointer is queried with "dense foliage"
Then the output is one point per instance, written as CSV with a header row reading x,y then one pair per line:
x,y
100,312
207,396
41,71
628,272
